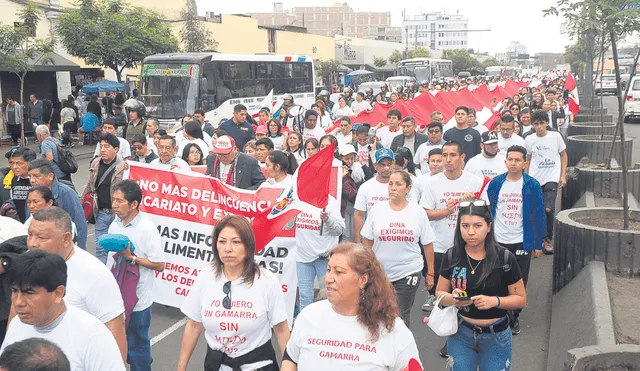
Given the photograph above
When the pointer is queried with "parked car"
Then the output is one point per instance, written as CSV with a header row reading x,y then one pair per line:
x,y
606,84
632,101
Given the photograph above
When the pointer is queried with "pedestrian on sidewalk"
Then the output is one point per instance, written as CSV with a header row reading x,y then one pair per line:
x,y
520,222
49,150
484,281
34,110
13,118
15,181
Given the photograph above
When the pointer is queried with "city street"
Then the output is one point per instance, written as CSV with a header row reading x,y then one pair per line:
x,y
530,347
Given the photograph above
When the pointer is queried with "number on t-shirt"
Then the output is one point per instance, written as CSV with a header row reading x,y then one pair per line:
x,y
412,280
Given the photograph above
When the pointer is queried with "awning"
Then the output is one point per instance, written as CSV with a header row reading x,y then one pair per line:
x,y
58,63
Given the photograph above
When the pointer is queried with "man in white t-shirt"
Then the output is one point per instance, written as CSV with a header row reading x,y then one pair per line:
x,y
311,128
421,157
519,221
386,133
360,104
507,137
489,162
109,127
547,163
90,285
38,284
167,157
441,197
471,121
373,190
435,166
149,255
344,133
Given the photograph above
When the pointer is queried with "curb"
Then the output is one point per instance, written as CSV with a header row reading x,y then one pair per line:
x,y
604,357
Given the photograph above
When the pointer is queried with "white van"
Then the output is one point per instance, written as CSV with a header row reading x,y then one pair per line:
x,y
395,81
632,100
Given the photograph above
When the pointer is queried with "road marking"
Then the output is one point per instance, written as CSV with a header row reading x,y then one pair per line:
x,y
168,331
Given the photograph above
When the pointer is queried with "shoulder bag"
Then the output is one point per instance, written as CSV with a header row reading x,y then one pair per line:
x,y
91,198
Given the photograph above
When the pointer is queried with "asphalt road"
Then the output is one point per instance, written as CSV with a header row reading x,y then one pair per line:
x,y
529,348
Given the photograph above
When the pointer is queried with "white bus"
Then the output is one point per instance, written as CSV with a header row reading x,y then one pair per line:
x,y
498,70
174,85
425,68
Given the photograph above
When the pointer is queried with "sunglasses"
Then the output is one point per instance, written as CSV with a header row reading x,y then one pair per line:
x,y
137,147
226,289
472,203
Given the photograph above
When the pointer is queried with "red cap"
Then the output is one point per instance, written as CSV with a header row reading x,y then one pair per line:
x,y
223,145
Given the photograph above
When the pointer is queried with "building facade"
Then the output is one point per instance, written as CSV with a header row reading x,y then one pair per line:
x,y
437,31
339,19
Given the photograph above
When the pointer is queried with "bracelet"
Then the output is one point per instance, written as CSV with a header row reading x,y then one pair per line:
x,y
133,261
497,297
432,275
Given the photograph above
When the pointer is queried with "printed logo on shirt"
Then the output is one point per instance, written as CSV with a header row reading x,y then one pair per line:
x,y
280,206
396,232
513,215
468,137
459,279
307,221
341,354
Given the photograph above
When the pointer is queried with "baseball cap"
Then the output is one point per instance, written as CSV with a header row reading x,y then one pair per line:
x,y
489,137
262,129
223,145
383,153
347,149
355,126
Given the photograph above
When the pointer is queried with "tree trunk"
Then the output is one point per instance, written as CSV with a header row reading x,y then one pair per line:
x,y
602,51
589,54
2,128
24,110
625,194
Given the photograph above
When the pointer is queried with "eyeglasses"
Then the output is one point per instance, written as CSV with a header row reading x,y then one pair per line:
x,y
137,147
195,153
473,203
434,132
226,289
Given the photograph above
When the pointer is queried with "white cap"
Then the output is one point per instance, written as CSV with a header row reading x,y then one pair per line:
x,y
347,149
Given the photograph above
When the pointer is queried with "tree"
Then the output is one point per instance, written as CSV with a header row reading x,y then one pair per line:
x,y
20,51
114,35
574,56
379,62
194,35
419,53
462,60
328,70
395,57
489,62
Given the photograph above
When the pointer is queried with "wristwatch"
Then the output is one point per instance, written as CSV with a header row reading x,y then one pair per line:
x,y
133,261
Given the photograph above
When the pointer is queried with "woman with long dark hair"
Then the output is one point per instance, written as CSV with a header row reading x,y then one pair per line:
x,y
294,145
193,134
275,134
280,167
232,279
192,154
484,281
361,310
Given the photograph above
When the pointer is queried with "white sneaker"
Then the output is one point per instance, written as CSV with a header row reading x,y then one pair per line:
x,y
428,304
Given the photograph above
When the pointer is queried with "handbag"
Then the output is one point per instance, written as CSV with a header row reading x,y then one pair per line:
x,y
443,321
91,198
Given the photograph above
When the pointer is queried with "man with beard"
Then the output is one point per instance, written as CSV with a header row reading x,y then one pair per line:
x,y
490,162
506,138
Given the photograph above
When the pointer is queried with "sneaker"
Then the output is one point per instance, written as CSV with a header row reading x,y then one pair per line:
x,y
515,326
428,304
444,352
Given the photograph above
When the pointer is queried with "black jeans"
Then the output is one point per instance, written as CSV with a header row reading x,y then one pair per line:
x,y
67,129
16,132
406,289
550,193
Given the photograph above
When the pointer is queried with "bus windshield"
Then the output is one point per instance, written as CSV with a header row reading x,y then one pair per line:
x,y
170,90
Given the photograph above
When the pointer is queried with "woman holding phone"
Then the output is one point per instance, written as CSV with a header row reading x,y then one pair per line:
x,y
483,280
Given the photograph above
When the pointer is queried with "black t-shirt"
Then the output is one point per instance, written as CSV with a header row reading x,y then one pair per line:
x,y
20,188
469,138
104,190
496,284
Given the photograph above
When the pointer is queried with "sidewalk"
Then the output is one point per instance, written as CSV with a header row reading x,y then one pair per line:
x,y
80,152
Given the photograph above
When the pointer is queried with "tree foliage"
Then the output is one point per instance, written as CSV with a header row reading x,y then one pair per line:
x,y
379,62
194,35
489,62
114,34
395,57
419,53
462,60
20,51
328,70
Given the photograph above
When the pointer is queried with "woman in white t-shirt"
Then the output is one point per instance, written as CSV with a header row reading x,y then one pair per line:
x,y
324,117
295,147
193,134
275,134
342,109
280,167
235,303
358,327
397,230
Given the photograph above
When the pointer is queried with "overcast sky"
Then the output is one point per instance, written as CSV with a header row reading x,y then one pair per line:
x,y
508,20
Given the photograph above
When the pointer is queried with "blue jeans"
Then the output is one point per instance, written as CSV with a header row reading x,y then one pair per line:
x,y
138,341
307,272
103,221
490,351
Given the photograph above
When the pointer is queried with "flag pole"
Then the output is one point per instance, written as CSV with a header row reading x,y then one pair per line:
x,y
322,221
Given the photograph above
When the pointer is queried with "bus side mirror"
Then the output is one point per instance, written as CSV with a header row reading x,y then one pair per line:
x,y
203,85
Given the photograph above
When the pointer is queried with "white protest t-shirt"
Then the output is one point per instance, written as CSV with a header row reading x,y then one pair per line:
x,y
421,156
343,140
482,166
505,143
385,135
481,128
278,142
181,164
325,340
87,342
370,193
309,243
439,189
362,154
124,150
316,132
244,327
145,237
397,236
358,107
508,221
204,147
545,151
92,287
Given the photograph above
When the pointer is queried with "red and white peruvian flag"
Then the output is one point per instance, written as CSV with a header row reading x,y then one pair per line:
x,y
574,100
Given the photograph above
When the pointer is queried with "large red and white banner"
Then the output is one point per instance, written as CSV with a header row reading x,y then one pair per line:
x,y
186,207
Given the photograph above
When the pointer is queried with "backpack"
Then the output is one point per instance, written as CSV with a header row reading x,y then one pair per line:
x,y
66,160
